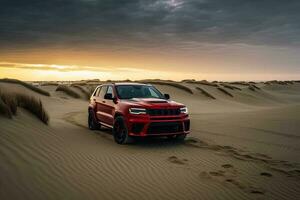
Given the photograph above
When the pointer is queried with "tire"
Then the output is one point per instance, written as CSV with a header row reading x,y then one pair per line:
x,y
92,122
120,131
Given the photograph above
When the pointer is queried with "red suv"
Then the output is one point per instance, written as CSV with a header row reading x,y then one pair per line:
x,y
137,110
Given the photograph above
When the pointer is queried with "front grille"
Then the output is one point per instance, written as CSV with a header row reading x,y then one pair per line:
x,y
162,112
165,127
137,128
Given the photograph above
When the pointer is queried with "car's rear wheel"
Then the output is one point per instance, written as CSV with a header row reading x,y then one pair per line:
x,y
92,122
120,131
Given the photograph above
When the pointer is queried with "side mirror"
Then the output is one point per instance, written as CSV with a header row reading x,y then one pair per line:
x,y
167,96
108,96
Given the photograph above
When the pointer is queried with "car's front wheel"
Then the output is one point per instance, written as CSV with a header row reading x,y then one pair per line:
x,y
120,131
92,123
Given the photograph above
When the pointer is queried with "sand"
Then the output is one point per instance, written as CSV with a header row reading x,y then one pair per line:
x,y
241,147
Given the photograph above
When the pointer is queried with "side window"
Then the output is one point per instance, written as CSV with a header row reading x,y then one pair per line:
x,y
97,91
102,91
110,91
153,93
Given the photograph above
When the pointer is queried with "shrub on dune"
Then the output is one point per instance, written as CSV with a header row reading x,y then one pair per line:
x,y
10,101
27,85
91,89
5,110
230,86
92,80
86,93
279,82
240,83
205,93
79,83
255,86
32,105
203,82
49,84
68,91
225,91
188,80
155,80
250,87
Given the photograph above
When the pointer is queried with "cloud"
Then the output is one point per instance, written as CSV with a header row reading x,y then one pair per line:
x,y
52,67
70,68
118,24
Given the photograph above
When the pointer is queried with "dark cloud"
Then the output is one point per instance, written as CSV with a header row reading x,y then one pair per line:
x,y
147,23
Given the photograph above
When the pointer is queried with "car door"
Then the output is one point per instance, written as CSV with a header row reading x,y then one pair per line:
x,y
93,99
100,104
108,107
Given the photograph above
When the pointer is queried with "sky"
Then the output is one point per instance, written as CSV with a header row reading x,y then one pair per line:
x,y
138,39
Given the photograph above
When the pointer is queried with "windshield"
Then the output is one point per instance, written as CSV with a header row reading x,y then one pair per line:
x,y
138,91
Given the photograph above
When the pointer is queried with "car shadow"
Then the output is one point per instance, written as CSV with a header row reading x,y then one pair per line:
x,y
154,142
149,142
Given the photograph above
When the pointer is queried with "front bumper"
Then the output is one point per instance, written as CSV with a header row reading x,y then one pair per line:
x,y
145,125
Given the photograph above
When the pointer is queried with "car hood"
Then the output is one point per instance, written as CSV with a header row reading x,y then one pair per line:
x,y
152,102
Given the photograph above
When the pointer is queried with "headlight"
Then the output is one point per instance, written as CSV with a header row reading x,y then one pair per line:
x,y
184,110
137,111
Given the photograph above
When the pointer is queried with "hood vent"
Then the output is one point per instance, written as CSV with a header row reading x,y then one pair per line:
x,y
152,100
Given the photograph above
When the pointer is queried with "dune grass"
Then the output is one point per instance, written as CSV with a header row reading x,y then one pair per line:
x,y
172,84
119,81
258,88
9,102
240,83
157,79
68,91
4,109
79,83
225,91
230,86
205,93
29,86
203,82
86,93
188,80
92,80
280,82
253,87
49,84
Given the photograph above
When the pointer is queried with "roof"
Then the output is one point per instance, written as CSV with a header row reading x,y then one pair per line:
x,y
129,83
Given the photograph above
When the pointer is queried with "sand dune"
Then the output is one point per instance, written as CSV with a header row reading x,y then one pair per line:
x,y
240,147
